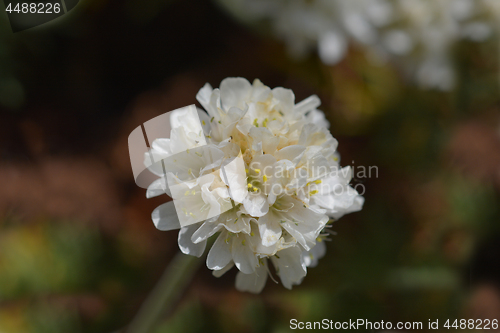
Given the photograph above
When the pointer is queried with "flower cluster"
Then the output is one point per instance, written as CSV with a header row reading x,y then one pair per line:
x,y
416,34
264,177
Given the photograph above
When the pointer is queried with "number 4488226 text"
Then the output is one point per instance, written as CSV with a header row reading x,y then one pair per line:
x,y
34,8
477,324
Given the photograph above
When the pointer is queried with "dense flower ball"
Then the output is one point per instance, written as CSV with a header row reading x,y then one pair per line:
x,y
264,177
417,34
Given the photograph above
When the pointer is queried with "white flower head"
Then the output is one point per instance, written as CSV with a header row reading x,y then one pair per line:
x,y
263,178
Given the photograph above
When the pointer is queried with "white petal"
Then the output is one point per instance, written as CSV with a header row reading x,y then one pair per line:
x,y
317,117
156,188
358,204
233,174
260,92
310,103
192,198
355,205
243,257
253,283
312,256
220,253
262,170
206,230
152,160
234,92
205,121
264,136
212,198
325,201
312,134
204,94
303,224
337,177
213,109
292,153
286,100
188,119
256,243
290,266
235,222
220,272
162,146
165,217
269,228
256,204
185,243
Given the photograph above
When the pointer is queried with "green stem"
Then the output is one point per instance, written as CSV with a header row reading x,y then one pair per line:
x,y
167,291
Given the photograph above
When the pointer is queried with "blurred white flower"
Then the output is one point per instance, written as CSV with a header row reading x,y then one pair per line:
x,y
417,34
264,175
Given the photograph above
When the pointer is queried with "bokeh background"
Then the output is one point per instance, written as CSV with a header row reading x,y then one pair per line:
x,y
78,250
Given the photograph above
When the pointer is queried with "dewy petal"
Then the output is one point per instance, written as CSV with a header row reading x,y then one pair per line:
x,y
220,253
290,266
253,283
270,228
165,217
185,243
234,92
243,257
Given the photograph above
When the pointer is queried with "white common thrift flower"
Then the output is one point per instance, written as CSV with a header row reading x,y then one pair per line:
x,y
417,34
263,177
